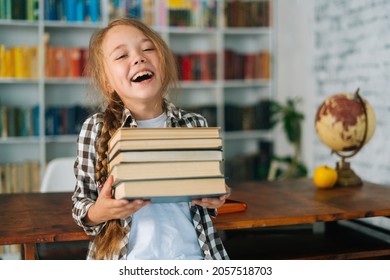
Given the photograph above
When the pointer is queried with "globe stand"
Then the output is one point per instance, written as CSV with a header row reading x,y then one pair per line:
x,y
346,176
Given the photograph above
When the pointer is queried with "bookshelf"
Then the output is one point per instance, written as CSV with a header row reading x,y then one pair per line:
x,y
209,36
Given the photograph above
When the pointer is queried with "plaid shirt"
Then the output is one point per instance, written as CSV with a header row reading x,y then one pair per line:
x,y
86,191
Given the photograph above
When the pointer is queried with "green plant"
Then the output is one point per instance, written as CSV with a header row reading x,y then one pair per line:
x,y
291,120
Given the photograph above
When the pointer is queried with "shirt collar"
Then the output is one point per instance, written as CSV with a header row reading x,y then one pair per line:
x,y
173,115
127,119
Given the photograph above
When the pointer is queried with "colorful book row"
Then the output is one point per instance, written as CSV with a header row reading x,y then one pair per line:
x,y
62,120
63,62
60,62
24,122
186,13
247,13
19,121
19,177
19,10
197,66
250,167
247,66
141,9
72,10
251,117
19,62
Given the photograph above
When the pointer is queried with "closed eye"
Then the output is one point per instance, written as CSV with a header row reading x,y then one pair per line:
x,y
148,50
121,57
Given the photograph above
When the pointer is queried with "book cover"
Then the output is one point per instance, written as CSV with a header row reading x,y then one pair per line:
x,y
18,9
166,156
170,190
75,62
61,61
163,133
232,206
165,170
165,144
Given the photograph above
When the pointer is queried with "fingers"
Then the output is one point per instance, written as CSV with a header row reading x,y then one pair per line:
x,y
209,202
213,203
107,187
128,208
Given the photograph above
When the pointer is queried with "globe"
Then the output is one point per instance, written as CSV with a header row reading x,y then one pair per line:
x,y
345,122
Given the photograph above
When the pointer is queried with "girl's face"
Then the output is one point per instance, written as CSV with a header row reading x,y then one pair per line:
x,y
131,64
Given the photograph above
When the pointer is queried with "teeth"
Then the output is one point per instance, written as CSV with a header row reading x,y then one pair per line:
x,y
142,73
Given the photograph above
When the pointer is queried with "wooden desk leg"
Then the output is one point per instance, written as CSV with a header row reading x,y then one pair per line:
x,y
28,251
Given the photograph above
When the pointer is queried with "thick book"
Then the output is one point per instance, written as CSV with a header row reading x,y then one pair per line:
x,y
170,190
127,133
166,156
165,144
165,170
232,206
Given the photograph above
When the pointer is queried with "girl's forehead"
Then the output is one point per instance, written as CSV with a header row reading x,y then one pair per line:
x,y
125,31
122,35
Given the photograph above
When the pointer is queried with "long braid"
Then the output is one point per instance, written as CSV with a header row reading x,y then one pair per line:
x,y
108,240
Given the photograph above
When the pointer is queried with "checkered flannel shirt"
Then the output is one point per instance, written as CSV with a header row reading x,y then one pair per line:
x,y
86,190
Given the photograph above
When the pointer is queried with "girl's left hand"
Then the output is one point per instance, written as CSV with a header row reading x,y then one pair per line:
x,y
213,203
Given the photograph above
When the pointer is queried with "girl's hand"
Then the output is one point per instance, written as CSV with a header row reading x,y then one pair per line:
x,y
213,203
108,208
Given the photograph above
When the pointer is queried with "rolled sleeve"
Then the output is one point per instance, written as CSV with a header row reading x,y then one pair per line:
x,y
86,190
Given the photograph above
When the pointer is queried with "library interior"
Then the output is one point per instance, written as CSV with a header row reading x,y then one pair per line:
x,y
258,72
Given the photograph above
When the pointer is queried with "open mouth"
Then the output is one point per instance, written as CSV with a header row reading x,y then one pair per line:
x,y
142,76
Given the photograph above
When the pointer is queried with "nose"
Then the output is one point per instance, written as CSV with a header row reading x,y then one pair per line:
x,y
139,59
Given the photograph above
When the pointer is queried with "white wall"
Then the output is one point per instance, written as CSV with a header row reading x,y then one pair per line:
x,y
295,76
331,46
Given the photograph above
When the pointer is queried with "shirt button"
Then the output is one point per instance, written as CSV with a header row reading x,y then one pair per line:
x,y
198,227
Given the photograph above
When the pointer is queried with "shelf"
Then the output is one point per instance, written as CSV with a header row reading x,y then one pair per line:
x,y
15,23
61,24
247,135
20,140
242,31
208,97
12,81
66,81
245,83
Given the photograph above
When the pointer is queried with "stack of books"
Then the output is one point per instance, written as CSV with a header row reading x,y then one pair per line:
x,y
166,164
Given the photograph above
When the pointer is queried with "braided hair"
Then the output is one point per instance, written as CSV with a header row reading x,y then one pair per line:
x,y
107,242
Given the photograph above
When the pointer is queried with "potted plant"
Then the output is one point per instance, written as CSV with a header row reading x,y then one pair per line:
x,y
291,120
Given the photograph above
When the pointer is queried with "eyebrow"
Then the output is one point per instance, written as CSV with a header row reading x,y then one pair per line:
x,y
143,40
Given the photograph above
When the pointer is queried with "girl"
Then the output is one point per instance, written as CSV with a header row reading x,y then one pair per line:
x,y
134,69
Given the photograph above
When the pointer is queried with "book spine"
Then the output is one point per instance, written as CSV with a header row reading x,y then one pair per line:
x,y
18,9
19,177
8,8
75,62
70,10
2,61
80,10
94,10
35,120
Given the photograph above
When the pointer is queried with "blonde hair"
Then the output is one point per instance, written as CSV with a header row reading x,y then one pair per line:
x,y
108,240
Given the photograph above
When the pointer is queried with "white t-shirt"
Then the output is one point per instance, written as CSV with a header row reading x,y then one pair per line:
x,y
163,230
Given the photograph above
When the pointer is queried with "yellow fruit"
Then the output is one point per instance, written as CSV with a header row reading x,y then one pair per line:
x,y
324,177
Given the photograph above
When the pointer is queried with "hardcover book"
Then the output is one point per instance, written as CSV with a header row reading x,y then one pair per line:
x,y
166,156
166,164
163,170
126,133
170,190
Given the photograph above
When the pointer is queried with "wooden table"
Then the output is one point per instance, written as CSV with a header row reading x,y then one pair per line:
x,y
30,218
293,202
